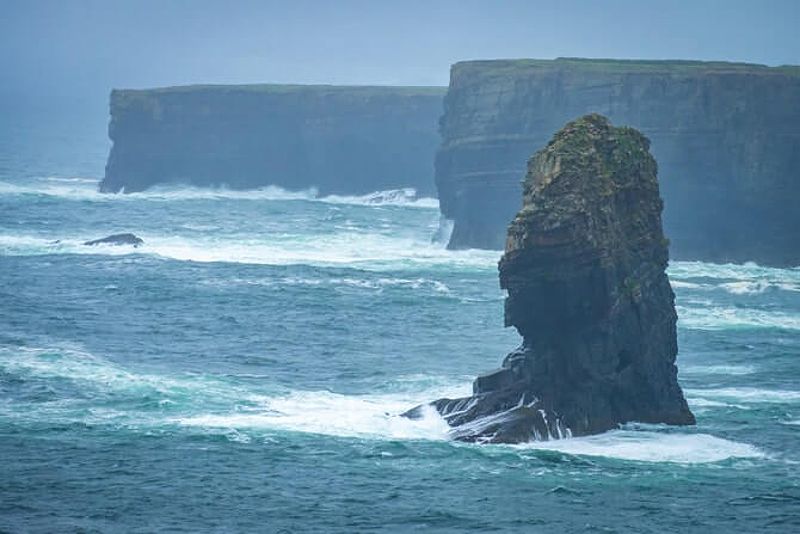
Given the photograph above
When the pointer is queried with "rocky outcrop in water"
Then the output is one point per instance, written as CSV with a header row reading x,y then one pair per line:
x,y
584,267
117,239
726,137
337,139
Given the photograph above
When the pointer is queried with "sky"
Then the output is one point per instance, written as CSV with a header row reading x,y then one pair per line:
x,y
78,50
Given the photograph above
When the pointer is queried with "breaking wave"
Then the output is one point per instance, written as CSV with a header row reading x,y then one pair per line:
x,y
242,411
745,395
376,284
718,369
710,317
651,446
746,279
85,189
363,250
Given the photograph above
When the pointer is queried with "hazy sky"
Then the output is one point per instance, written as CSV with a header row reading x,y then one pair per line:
x,y
86,47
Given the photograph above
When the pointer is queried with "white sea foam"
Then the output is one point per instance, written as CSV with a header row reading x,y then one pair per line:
x,y
686,285
375,284
746,279
84,189
73,179
397,197
725,318
78,365
218,404
366,250
649,446
718,369
730,271
702,403
741,287
746,395
322,412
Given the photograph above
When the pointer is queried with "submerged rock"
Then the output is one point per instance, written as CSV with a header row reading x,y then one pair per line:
x,y
117,239
584,267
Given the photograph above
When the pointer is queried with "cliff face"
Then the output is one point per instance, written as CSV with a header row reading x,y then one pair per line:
x,y
584,267
726,136
337,139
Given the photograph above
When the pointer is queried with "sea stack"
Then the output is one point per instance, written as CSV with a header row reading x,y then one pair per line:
x,y
584,267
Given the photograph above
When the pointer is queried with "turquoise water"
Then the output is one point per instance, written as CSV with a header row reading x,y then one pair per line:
x,y
242,371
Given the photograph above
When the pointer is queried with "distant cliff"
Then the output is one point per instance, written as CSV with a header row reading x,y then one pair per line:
x,y
726,137
584,266
338,139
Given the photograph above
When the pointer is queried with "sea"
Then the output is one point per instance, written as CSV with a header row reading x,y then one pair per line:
x,y
244,369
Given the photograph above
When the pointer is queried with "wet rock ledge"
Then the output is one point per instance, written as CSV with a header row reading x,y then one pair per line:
x,y
584,267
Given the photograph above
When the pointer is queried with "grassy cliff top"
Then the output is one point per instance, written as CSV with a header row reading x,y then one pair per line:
x,y
361,90
674,66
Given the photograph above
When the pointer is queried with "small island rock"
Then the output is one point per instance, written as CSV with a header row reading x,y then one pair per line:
x,y
117,239
584,267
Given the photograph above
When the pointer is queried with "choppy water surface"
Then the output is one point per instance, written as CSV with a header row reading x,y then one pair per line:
x,y
243,370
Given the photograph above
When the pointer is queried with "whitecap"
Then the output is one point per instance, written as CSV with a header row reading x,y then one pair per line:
x,y
72,179
685,285
647,446
718,369
730,271
701,403
372,251
102,375
81,189
756,287
745,279
392,197
723,318
746,394
332,414
219,402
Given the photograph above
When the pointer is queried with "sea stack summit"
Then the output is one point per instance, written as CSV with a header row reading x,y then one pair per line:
x,y
584,267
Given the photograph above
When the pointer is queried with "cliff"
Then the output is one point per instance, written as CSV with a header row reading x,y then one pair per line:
x,y
335,138
584,266
726,136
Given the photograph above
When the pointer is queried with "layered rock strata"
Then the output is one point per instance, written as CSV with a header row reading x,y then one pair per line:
x,y
726,136
584,267
337,139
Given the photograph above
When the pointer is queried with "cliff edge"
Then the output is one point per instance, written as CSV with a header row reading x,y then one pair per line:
x,y
725,135
584,266
337,139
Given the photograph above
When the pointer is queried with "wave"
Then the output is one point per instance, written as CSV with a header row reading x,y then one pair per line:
x,y
745,395
73,179
364,250
745,279
711,318
393,197
82,189
685,285
105,392
242,408
326,413
99,375
718,369
650,446
376,284
699,403
745,271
